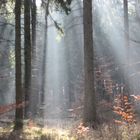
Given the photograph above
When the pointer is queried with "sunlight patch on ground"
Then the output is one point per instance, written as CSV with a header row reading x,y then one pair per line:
x,y
106,132
32,133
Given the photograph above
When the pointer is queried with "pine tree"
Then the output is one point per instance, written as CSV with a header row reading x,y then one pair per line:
x,y
18,74
90,114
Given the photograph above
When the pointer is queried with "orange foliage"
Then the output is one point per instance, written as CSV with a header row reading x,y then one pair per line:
x,y
136,97
124,109
119,122
81,129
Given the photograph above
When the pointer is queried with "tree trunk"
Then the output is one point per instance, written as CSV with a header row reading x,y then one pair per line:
x,y
34,9
90,99
44,60
44,56
18,73
34,87
126,23
126,45
27,54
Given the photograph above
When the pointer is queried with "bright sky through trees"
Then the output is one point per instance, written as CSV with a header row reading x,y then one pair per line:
x,y
38,3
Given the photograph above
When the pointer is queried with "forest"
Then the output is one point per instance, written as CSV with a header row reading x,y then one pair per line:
x,y
71,70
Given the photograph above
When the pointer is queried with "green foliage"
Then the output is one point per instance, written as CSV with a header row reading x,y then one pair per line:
x,y
59,5
64,4
7,10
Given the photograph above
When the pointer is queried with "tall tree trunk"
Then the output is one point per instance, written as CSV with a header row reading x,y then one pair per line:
x,y
126,44
90,99
27,54
34,10
44,58
18,73
126,23
34,87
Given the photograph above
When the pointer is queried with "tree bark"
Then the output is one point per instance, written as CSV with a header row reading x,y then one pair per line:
x,y
126,45
34,10
27,54
90,99
43,82
34,87
126,23
44,55
18,73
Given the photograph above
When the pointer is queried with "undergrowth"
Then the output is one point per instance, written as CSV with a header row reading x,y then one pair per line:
x,y
78,132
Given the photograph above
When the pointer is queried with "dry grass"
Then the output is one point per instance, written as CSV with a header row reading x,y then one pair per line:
x,y
112,132
103,132
35,133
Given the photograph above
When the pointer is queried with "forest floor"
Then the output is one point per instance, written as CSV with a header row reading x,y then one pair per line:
x,y
73,130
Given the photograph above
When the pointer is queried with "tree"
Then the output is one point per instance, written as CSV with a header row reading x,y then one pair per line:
x,y
43,82
126,23
34,10
126,42
27,54
18,74
34,98
90,114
